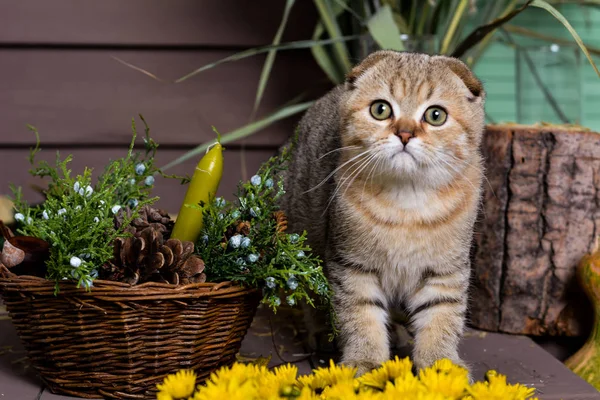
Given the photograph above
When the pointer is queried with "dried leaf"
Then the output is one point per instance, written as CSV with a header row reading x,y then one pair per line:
x,y
243,228
11,256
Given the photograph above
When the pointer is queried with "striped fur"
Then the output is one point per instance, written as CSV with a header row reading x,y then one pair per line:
x,y
393,223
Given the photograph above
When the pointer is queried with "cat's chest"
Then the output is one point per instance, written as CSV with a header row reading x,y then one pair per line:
x,y
392,238
398,248
402,255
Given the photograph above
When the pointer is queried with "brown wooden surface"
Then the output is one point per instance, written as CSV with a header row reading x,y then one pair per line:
x,y
57,73
14,168
541,215
77,97
517,356
17,379
151,22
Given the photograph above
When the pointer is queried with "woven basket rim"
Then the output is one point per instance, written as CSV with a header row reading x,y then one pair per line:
x,y
111,290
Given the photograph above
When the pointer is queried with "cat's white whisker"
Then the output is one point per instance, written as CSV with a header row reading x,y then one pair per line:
x,y
340,181
337,169
365,165
471,165
343,179
371,174
336,150
458,172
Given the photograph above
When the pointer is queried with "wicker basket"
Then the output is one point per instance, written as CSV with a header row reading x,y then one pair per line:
x,y
117,341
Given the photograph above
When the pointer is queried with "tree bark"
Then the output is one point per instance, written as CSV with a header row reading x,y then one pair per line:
x,y
540,216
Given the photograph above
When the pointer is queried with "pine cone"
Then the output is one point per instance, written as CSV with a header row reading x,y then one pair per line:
x,y
148,217
148,256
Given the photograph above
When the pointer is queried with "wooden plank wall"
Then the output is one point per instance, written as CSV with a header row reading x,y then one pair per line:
x,y
57,72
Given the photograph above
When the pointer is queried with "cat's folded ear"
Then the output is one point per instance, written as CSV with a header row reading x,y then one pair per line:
x,y
365,64
465,74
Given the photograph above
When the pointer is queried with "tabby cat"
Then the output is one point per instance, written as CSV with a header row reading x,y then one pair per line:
x,y
386,179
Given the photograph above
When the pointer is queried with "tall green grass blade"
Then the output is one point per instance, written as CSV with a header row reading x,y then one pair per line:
x,y
345,7
544,5
519,30
485,42
268,65
244,131
329,20
413,16
445,11
384,31
482,31
449,35
300,44
430,27
538,80
424,14
324,58
400,23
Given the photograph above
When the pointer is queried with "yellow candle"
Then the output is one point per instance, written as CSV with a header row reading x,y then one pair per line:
x,y
202,188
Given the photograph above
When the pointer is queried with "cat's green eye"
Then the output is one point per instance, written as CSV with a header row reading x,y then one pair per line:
x,y
381,110
435,116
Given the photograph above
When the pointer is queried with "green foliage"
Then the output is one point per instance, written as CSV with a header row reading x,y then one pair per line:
x,y
347,27
77,219
77,216
275,261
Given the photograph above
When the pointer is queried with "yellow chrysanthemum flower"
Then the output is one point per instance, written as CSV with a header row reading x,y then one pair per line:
x,y
406,386
496,388
393,380
280,382
322,377
445,378
234,388
239,371
240,381
372,395
427,396
345,390
307,394
286,374
177,386
389,371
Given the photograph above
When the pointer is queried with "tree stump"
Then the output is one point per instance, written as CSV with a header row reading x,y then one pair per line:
x,y
540,216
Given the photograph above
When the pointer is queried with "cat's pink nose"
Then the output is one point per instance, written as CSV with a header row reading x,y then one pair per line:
x,y
404,136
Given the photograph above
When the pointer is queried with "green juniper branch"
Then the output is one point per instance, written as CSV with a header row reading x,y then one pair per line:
x,y
76,217
279,263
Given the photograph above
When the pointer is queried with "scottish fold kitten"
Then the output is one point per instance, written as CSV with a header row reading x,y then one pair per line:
x,y
386,178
